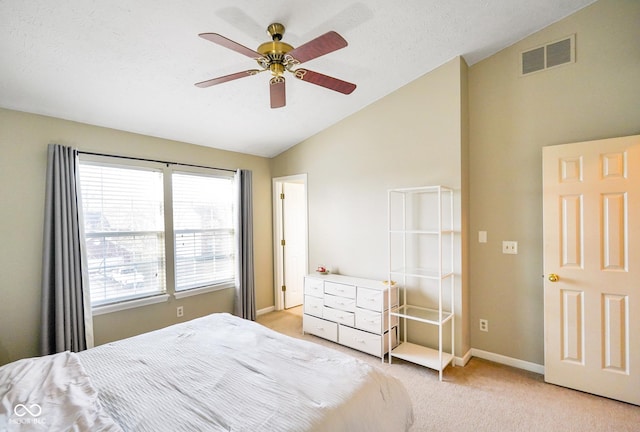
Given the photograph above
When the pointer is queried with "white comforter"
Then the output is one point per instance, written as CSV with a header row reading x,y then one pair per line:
x,y
223,373
51,393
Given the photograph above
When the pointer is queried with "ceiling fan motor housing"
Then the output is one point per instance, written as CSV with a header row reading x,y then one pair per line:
x,y
275,52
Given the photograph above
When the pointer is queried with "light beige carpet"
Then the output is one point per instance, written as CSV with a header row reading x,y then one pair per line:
x,y
485,396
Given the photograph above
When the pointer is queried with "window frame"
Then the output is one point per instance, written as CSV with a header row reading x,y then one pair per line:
x,y
167,170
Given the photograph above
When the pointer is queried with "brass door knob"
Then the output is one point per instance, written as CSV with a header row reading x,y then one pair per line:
x,y
554,277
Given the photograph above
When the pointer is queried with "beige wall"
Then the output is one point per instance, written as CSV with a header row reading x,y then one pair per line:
x,y
511,119
411,137
23,150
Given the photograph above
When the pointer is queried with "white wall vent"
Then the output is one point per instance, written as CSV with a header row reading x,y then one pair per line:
x,y
553,54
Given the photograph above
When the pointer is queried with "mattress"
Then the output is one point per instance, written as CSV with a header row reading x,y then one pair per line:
x,y
223,373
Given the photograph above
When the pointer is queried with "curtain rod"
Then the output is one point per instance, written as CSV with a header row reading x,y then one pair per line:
x,y
154,160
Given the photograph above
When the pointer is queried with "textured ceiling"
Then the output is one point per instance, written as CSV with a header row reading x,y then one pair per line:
x,y
131,65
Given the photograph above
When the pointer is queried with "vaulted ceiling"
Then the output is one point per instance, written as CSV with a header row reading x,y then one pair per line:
x,y
132,65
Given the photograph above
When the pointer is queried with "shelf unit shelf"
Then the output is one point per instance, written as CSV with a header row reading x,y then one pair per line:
x,y
421,273
426,232
421,263
424,356
422,314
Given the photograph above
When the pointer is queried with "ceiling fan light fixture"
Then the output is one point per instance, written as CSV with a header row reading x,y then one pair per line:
x,y
277,69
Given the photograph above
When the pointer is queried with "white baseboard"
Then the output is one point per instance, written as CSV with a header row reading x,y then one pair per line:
x,y
473,352
509,361
461,361
265,310
498,358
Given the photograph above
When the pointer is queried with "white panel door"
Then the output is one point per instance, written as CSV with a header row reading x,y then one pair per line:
x,y
294,253
591,201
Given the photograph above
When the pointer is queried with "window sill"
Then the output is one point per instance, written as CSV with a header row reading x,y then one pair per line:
x,y
131,304
197,291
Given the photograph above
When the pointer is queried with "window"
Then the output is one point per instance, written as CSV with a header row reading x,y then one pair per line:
x,y
203,229
143,219
124,232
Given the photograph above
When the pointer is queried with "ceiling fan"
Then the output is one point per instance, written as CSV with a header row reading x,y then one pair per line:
x,y
279,57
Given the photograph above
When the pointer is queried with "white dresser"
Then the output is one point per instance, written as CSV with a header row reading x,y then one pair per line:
x,y
350,311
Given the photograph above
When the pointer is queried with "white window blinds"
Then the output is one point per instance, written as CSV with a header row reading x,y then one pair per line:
x,y
143,217
123,215
203,230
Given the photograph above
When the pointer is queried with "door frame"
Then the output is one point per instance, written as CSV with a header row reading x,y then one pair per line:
x,y
278,276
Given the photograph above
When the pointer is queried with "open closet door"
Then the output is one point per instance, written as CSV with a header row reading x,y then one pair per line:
x,y
290,216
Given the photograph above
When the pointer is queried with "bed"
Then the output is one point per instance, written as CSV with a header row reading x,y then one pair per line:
x,y
215,373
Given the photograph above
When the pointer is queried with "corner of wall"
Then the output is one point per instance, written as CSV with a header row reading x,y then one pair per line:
x,y
465,199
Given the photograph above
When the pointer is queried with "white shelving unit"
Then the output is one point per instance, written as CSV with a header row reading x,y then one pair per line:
x,y
421,263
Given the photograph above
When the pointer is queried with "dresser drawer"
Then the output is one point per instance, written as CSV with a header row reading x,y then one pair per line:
x,y
373,344
372,321
313,305
374,300
313,287
340,316
341,290
319,327
343,303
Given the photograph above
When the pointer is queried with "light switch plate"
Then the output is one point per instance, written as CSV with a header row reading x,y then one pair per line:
x,y
510,247
482,236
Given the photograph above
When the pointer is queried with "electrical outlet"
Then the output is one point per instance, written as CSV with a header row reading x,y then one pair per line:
x,y
510,247
180,311
484,325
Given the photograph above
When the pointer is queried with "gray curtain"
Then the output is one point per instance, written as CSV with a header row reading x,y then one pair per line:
x,y
65,311
245,303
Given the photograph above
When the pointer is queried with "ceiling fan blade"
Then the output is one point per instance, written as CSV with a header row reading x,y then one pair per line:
x,y
223,79
277,92
228,43
317,47
324,81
